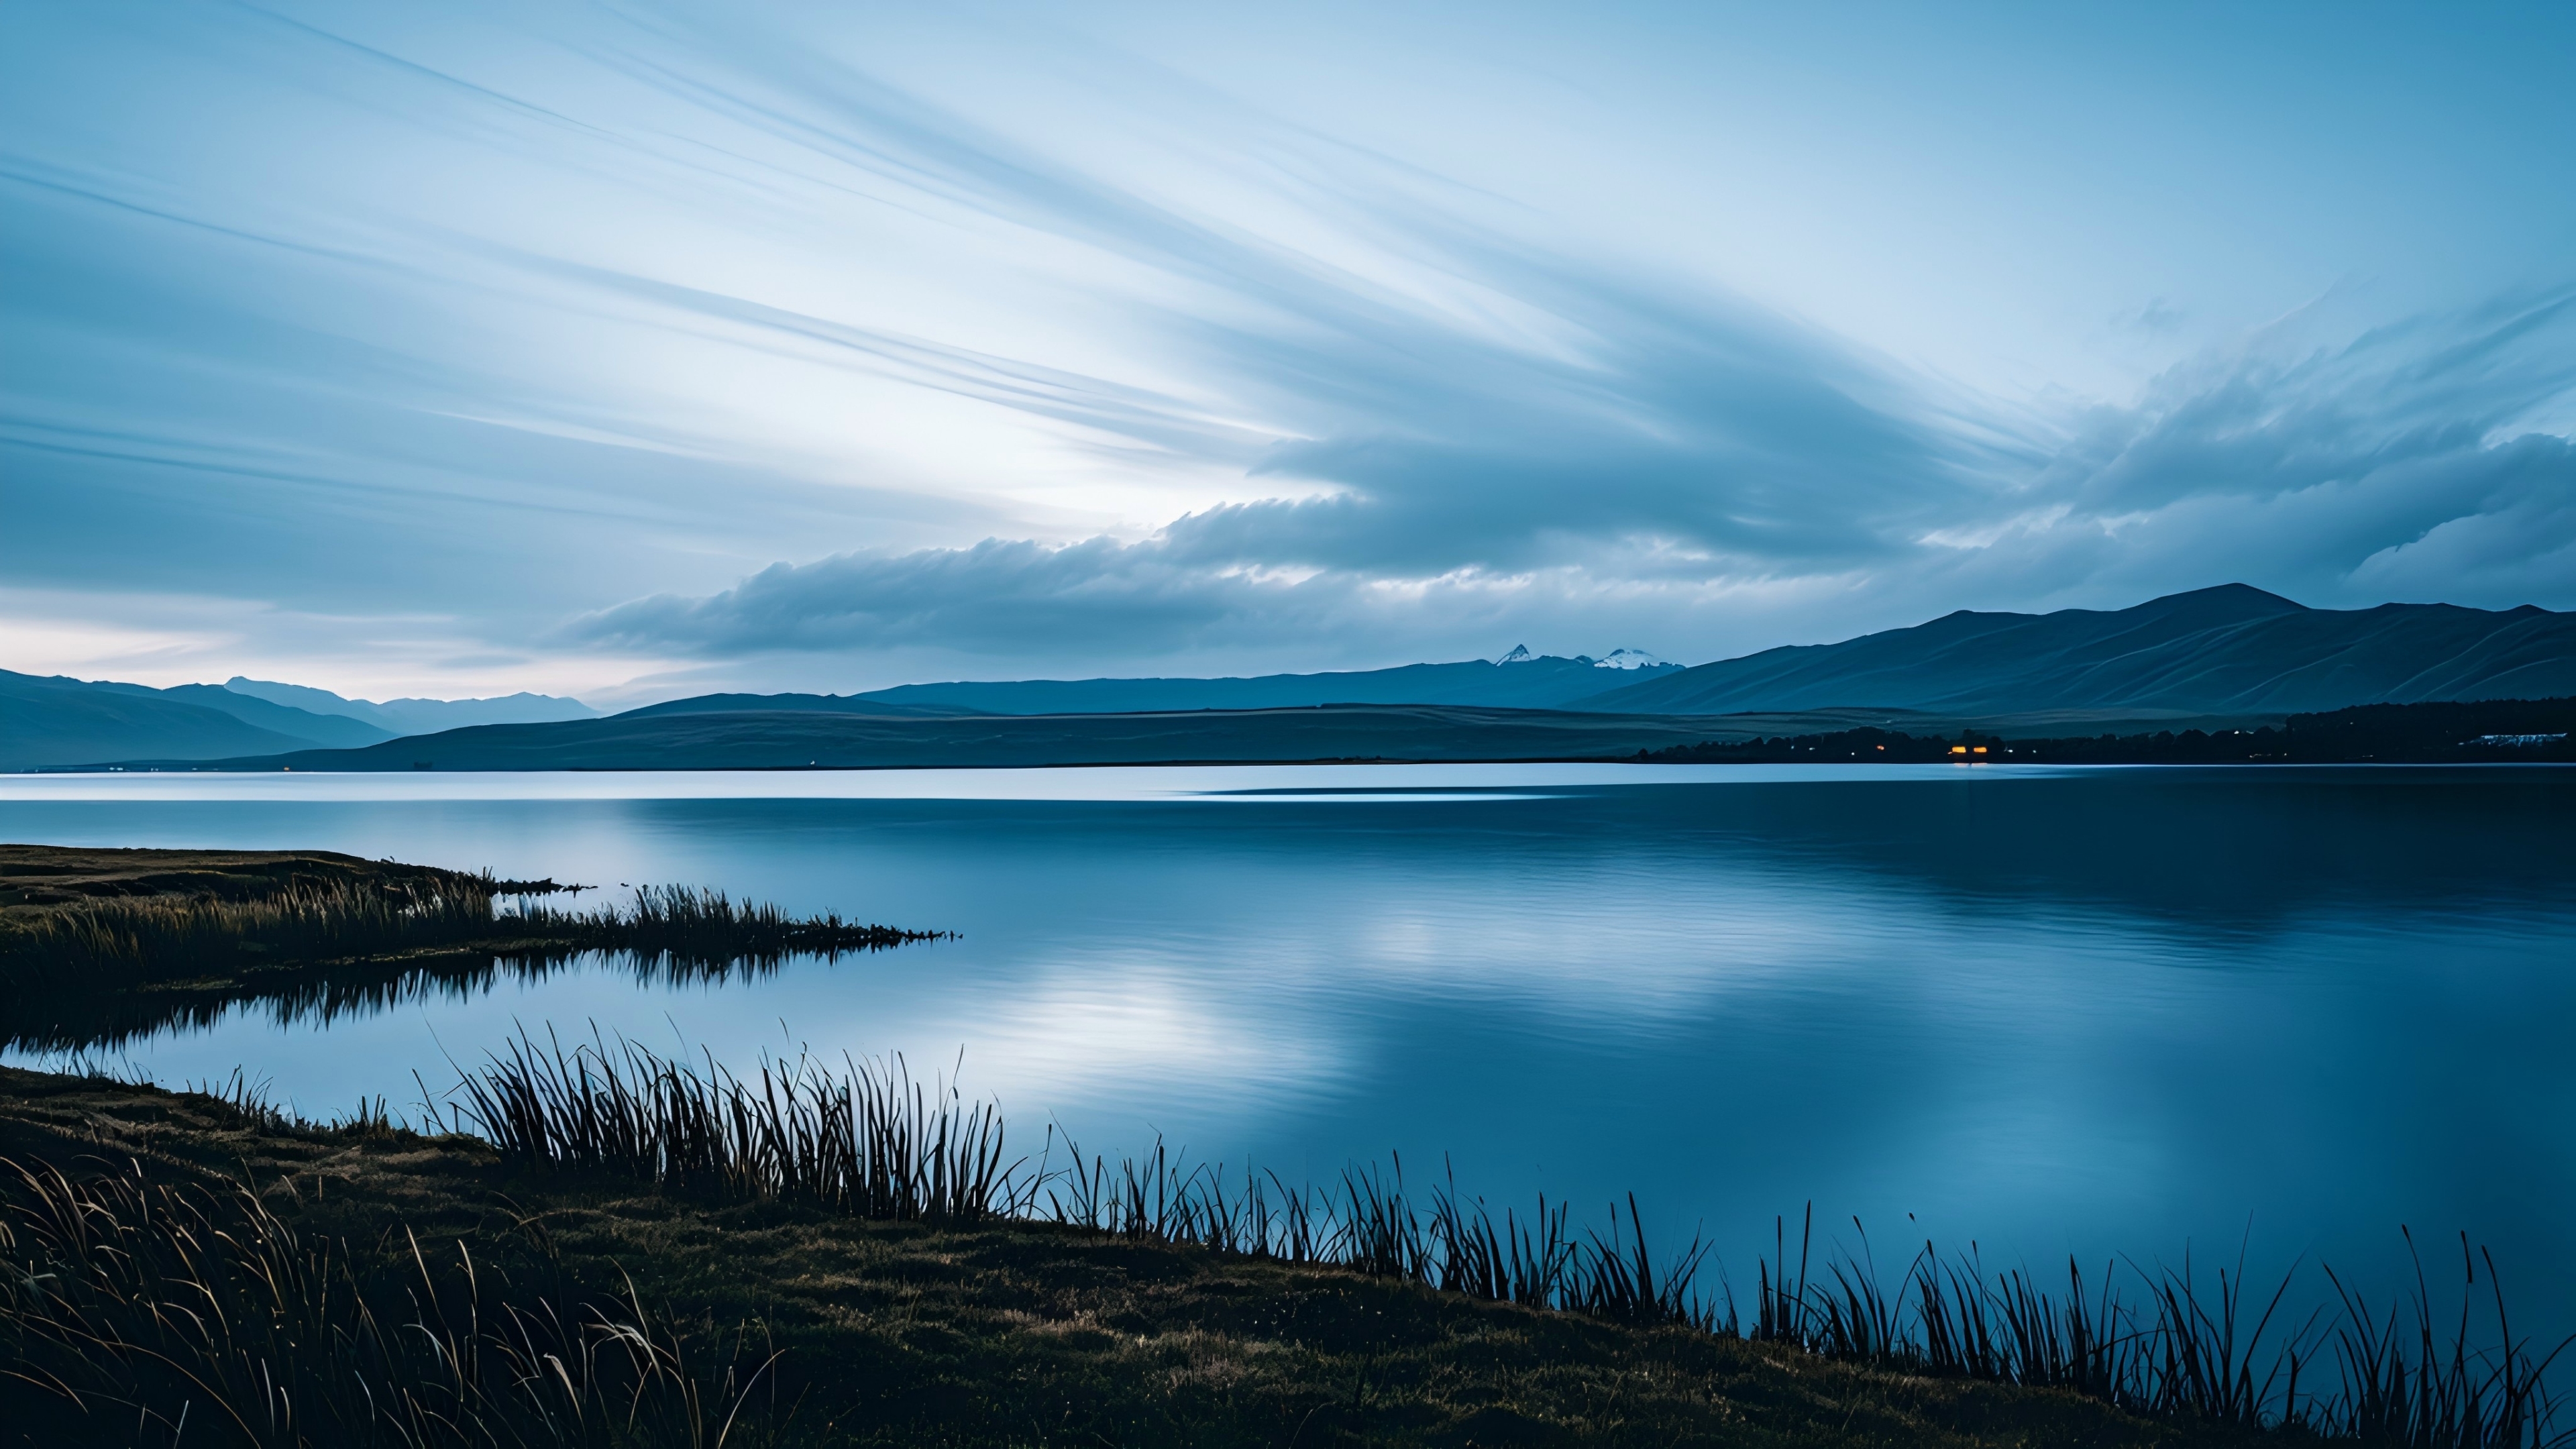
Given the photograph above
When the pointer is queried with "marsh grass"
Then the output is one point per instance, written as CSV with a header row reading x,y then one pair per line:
x,y
139,1312
2404,1384
185,1311
134,940
2184,1349
869,1140
101,972
127,941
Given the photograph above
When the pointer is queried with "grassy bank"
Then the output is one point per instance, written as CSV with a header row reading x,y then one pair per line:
x,y
624,1251
485,1304
99,945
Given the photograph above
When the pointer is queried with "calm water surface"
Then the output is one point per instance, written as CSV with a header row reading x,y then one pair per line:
x,y
2088,1011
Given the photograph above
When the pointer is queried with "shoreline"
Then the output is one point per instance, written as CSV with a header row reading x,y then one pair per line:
x,y
100,945
957,1300
884,1332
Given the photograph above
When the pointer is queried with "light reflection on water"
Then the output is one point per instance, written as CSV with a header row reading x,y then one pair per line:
x,y
2088,1011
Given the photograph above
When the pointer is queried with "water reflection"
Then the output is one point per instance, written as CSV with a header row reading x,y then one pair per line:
x,y
2097,1011
81,1024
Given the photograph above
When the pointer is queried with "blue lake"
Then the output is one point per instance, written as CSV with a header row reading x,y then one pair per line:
x,y
2103,1011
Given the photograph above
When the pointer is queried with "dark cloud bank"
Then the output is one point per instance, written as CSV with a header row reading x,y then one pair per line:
x,y
1642,457
1683,464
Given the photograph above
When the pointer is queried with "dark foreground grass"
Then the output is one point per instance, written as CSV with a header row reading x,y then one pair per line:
x,y
869,1269
502,1300
868,1141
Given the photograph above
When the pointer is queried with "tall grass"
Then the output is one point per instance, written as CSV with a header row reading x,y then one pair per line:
x,y
869,1140
703,927
104,971
2402,1384
140,1312
133,939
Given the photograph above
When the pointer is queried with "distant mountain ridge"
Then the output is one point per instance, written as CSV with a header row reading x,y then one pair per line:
x,y
1518,680
2221,655
788,739
52,720
2229,650
414,716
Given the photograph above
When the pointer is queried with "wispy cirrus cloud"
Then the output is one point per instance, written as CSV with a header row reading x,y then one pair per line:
x,y
776,339
2407,462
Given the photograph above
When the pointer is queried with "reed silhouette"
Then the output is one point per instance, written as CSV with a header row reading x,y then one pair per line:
x,y
870,1140
102,971
147,1313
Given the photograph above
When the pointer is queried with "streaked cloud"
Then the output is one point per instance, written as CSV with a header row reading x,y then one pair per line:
x,y
2400,464
777,344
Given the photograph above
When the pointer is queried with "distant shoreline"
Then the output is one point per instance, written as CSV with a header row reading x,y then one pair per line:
x,y
781,740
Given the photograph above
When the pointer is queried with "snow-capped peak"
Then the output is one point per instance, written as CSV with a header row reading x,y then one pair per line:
x,y
1519,653
1629,659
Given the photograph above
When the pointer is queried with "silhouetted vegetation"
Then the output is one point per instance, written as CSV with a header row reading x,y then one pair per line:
x,y
871,1142
2487,731
862,1261
143,1312
80,969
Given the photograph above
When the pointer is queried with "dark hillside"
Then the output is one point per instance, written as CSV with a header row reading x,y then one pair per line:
x,y
2227,650
798,739
2482,732
1546,682
47,722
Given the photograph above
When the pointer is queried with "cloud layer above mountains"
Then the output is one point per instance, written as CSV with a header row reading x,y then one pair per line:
x,y
531,346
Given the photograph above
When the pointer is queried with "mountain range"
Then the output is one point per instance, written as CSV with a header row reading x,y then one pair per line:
x,y
2226,652
786,739
415,716
2230,654
2231,650
1519,680
52,721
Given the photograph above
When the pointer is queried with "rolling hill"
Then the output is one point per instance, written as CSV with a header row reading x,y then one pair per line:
x,y
53,721
835,739
1517,681
411,716
335,731
2226,651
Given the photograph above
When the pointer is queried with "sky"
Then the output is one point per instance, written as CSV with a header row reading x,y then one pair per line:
x,y
634,351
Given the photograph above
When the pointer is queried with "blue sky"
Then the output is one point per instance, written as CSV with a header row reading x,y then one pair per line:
x,y
635,351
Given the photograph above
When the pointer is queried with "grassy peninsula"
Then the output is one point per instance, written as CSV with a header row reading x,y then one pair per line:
x,y
97,945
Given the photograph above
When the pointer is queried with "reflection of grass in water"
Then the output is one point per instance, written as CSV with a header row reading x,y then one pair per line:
x,y
100,973
869,1141
322,996
137,941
